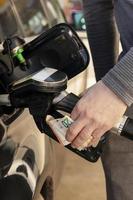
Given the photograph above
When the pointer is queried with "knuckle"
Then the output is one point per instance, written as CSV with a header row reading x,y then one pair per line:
x,y
72,131
83,136
106,126
78,107
98,122
87,114
96,135
88,130
86,133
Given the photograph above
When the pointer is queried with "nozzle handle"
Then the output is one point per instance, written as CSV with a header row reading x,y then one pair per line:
x,y
67,102
127,130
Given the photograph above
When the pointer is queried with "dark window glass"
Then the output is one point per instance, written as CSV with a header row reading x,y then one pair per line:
x,y
55,13
32,16
28,17
8,25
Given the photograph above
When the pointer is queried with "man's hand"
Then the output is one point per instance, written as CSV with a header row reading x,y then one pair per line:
x,y
95,113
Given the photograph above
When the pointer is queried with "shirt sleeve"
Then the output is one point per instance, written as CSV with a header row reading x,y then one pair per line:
x,y
104,42
120,78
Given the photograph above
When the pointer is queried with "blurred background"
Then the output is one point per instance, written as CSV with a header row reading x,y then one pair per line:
x,y
80,180
74,13
32,17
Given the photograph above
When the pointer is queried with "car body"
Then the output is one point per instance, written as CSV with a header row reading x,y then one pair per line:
x,y
18,128
21,137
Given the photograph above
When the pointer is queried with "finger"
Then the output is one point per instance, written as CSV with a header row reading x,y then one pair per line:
x,y
97,134
75,114
94,142
86,143
75,128
83,136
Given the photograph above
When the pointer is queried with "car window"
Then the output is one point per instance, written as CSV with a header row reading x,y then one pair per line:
x,y
8,24
28,17
55,12
32,16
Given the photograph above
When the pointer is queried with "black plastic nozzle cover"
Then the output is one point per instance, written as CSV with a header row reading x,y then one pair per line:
x,y
59,48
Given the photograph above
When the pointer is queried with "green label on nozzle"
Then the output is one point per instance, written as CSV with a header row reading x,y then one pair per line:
x,y
18,54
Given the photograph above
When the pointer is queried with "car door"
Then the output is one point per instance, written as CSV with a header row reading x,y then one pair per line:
x,y
21,139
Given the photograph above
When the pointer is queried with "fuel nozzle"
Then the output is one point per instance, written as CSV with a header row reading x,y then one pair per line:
x,y
66,102
37,92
